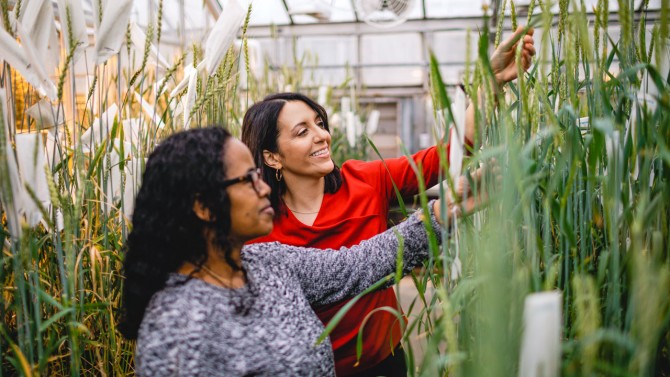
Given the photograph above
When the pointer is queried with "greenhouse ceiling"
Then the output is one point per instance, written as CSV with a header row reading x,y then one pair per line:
x,y
304,16
191,14
297,12
187,20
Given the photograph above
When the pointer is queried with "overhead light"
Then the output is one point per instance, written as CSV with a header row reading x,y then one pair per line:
x,y
317,9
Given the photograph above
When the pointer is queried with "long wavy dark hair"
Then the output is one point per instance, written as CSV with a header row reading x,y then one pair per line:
x,y
166,232
260,131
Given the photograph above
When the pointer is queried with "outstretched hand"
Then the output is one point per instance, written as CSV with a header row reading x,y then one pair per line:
x,y
503,59
464,199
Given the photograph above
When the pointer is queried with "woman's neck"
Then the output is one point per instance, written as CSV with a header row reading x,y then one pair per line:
x,y
216,270
304,195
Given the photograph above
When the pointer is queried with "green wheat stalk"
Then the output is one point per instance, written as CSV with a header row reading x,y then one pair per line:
x,y
4,8
159,22
145,55
245,43
513,15
531,9
501,20
17,9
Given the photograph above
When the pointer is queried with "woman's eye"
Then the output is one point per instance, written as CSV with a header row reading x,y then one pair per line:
x,y
302,132
321,124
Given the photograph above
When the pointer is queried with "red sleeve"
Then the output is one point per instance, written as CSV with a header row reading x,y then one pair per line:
x,y
382,174
401,173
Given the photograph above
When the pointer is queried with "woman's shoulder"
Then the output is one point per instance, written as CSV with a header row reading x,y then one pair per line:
x,y
176,325
168,315
187,304
181,297
357,166
356,172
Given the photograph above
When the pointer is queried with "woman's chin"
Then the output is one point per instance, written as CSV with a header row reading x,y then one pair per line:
x,y
269,225
328,168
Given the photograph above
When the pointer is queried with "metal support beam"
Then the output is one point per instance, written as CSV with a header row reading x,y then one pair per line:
x,y
353,8
410,26
288,13
359,28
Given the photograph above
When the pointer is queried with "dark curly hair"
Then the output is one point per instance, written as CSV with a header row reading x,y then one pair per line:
x,y
166,232
260,132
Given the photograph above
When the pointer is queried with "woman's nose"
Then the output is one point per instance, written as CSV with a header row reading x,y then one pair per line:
x,y
265,189
322,134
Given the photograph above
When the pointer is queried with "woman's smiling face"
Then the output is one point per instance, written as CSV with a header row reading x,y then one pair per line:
x,y
303,142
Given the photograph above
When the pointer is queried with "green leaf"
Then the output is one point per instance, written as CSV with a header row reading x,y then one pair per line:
x,y
401,202
342,312
48,298
95,164
399,256
359,339
60,314
437,84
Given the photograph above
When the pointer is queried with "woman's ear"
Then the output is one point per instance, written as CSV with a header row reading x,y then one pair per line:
x,y
202,212
271,159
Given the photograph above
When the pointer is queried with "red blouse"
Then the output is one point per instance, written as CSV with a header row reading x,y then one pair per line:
x,y
356,212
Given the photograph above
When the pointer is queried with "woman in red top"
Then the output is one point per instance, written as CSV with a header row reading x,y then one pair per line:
x,y
320,205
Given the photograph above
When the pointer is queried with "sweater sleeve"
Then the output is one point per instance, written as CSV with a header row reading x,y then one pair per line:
x,y
327,276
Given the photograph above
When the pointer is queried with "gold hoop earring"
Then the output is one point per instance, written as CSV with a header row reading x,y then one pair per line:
x,y
278,175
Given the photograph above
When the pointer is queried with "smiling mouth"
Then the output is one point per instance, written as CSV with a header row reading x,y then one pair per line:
x,y
322,152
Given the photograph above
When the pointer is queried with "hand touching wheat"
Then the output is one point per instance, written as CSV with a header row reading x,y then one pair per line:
x,y
502,60
465,198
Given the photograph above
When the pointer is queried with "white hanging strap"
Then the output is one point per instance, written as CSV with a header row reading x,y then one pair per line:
x,y
456,264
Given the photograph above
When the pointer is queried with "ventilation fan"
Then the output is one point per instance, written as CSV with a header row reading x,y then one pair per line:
x,y
384,13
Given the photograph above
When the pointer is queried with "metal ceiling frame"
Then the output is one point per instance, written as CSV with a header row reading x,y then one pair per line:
x,y
353,7
418,25
288,13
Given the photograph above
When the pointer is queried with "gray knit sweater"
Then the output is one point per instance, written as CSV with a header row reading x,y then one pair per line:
x,y
267,328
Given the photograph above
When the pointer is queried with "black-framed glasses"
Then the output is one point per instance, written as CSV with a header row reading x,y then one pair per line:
x,y
253,176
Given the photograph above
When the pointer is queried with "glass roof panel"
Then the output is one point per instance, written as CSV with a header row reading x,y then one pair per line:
x,y
453,8
309,11
416,12
140,12
303,19
196,18
613,5
268,12
342,11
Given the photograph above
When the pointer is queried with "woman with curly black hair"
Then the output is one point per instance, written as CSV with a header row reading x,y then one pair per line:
x,y
199,303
